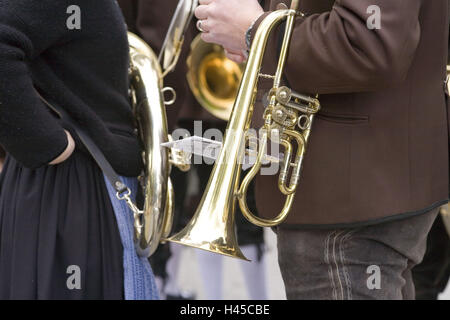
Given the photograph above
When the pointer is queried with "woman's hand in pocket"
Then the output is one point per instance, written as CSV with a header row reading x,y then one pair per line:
x,y
68,152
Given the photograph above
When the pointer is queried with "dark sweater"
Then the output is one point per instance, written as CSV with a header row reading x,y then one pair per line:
x,y
84,71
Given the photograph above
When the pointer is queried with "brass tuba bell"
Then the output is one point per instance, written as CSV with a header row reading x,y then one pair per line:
x,y
213,78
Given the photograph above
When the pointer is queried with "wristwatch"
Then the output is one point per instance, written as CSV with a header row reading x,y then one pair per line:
x,y
248,34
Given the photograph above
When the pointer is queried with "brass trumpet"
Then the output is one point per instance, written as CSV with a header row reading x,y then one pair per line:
x,y
289,116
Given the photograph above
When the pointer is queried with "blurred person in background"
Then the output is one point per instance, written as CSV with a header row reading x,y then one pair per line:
x,y
432,275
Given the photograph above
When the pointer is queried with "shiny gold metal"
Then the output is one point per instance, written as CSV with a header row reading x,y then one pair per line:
x,y
446,217
180,158
445,209
153,223
150,115
213,78
288,114
282,6
447,81
173,42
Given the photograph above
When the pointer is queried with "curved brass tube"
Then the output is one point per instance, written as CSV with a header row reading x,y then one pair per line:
x,y
242,193
150,114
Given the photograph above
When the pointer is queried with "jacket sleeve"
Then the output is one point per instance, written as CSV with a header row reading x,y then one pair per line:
x,y
28,131
337,52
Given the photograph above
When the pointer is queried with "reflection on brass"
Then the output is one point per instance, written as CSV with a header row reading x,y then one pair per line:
x,y
446,217
213,78
150,115
289,116
147,71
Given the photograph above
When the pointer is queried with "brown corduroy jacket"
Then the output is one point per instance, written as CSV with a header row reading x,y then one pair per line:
x,y
379,147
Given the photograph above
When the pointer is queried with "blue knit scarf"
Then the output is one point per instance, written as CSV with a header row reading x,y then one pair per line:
x,y
139,281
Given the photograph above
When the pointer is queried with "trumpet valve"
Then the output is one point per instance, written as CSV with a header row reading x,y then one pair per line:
x,y
286,118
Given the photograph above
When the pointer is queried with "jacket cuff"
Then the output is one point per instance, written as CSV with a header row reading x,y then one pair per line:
x,y
42,150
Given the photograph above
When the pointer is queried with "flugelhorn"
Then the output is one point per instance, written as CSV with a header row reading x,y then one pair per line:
x,y
288,116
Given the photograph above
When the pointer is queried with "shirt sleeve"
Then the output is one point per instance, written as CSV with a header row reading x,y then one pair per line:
x,y
363,45
28,131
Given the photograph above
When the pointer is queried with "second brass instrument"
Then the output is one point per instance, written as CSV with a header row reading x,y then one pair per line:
x,y
287,120
213,78
153,223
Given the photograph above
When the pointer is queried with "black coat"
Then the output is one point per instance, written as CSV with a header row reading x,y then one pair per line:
x,y
37,48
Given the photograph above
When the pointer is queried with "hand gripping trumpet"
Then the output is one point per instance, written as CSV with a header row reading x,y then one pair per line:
x,y
288,114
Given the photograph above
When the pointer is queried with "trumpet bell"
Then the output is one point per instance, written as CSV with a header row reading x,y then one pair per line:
x,y
211,232
213,78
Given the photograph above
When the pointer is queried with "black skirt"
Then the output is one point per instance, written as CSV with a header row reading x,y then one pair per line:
x,y
58,233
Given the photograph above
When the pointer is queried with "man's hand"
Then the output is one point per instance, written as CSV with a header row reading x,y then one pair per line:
x,y
238,57
225,22
68,152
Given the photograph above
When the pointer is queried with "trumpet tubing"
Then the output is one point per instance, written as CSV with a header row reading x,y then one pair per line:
x,y
290,114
